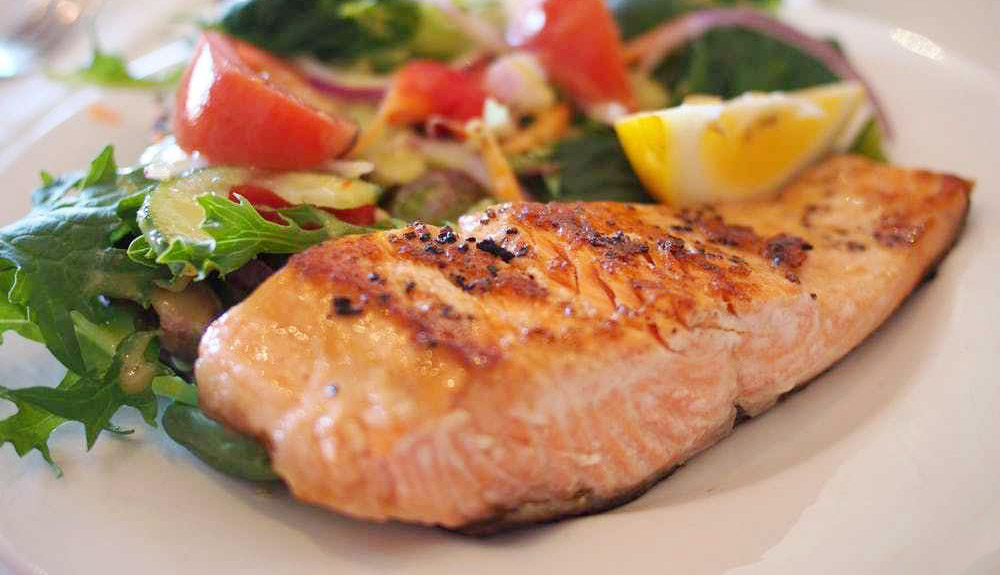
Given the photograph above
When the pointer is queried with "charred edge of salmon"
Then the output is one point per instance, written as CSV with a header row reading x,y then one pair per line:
x,y
544,513
585,503
540,513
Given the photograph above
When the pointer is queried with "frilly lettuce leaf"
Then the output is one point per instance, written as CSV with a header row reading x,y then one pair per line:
x,y
238,233
60,270
113,352
111,70
63,258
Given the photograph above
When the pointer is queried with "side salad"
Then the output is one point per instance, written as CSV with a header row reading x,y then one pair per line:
x,y
299,121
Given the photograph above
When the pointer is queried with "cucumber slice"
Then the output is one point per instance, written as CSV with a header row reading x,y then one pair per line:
x,y
320,190
172,219
171,213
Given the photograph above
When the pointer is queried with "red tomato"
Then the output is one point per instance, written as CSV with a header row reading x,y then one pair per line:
x,y
425,88
267,201
258,196
580,46
363,216
240,105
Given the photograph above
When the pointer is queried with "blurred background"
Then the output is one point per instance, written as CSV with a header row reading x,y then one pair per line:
x,y
970,28
40,38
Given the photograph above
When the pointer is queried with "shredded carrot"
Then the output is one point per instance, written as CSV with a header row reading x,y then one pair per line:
x,y
104,115
505,186
550,125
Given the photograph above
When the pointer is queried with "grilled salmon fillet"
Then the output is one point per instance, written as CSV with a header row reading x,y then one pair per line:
x,y
548,360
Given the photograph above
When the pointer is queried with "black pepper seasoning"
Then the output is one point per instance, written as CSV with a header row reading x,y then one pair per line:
x,y
447,236
491,247
344,306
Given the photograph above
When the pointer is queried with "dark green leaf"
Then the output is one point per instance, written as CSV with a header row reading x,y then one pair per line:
x,y
226,450
637,16
91,398
728,62
59,266
64,256
103,169
30,429
336,30
14,317
53,190
593,166
724,62
94,398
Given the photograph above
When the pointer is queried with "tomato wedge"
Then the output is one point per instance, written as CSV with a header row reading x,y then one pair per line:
x,y
425,88
239,105
363,216
266,201
580,46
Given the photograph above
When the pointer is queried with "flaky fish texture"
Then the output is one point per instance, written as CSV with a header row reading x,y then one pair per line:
x,y
542,360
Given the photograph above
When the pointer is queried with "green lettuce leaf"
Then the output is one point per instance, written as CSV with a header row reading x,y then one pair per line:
x,y
238,234
65,282
334,30
109,347
593,167
175,388
728,62
14,317
92,399
111,70
637,16
63,257
29,429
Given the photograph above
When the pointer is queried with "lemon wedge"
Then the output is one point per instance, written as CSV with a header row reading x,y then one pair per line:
x,y
709,151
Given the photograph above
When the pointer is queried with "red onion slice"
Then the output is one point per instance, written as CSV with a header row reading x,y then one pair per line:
x,y
353,87
453,155
654,46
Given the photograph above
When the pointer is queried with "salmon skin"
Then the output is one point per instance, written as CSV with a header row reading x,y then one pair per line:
x,y
542,361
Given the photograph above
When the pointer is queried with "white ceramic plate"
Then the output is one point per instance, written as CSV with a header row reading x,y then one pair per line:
x,y
890,463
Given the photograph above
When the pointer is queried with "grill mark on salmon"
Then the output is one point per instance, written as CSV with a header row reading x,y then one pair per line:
x,y
578,359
